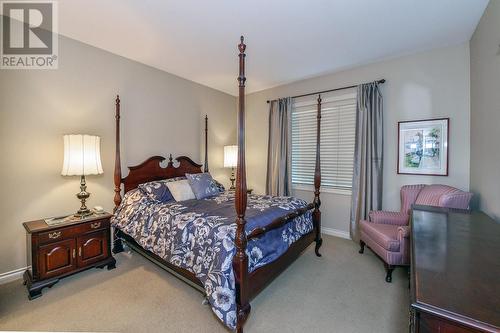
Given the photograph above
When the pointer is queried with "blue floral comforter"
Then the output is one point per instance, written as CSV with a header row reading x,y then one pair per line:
x,y
198,235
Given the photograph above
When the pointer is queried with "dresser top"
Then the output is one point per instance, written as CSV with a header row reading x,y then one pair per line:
x,y
41,225
456,265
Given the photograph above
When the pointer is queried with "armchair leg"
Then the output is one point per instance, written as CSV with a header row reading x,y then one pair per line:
x,y
362,246
388,269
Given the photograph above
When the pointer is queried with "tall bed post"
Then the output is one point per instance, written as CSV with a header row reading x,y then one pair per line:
x,y
118,168
317,182
205,168
240,260
117,242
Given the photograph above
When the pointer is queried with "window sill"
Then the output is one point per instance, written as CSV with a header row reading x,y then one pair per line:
x,y
310,188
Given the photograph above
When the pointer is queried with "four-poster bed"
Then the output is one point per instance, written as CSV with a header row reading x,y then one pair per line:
x,y
285,217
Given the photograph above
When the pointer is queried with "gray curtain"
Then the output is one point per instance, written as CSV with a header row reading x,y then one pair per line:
x,y
368,155
279,172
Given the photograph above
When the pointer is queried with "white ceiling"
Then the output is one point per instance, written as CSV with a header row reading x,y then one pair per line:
x,y
286,40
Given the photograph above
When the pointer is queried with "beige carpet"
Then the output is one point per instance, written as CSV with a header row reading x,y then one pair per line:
x,y
341,292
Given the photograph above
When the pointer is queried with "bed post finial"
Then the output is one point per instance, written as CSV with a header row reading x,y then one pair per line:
x,y
240,259
241,45
241,78
317,182
170,160
205,168
118,168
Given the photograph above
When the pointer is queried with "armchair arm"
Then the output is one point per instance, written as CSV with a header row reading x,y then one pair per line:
x,y
394,218
404,243
403,232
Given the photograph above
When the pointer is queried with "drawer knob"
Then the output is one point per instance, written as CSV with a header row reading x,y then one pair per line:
x,y
95,225
55,234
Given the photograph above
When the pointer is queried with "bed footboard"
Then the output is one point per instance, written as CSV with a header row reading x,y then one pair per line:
x,y
263,276
281,221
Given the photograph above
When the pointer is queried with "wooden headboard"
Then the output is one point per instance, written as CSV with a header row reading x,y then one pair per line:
x,y
151,169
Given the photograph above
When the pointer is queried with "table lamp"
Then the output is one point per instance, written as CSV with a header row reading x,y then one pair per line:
x,y
230,161
82,157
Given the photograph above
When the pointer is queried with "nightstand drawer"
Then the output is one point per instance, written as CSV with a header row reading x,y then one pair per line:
x,y
56,235
72,231
95,225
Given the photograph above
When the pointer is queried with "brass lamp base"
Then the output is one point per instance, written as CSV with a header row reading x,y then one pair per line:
x,y
232,179
83,196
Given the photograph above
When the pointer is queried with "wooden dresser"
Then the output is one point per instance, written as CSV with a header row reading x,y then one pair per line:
x,y
64,249
455,271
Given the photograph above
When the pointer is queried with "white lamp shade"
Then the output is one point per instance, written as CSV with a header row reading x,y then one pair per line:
x,y
230,156
82,155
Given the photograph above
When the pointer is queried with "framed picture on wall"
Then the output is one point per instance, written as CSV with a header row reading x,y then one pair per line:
x,y
423,147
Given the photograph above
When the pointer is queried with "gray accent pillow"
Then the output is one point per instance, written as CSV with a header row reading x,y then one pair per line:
x,y
203,185
181,190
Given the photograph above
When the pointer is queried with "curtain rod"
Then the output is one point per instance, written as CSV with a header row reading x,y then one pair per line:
x,y
330,90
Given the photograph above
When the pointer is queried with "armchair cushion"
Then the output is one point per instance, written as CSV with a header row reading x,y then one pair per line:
x,y
385,235
384,217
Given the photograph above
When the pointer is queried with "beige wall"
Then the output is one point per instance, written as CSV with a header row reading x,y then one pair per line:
x,y
161,114
426,85
485,110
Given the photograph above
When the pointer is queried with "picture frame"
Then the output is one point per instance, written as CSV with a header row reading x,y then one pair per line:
x,y
423,147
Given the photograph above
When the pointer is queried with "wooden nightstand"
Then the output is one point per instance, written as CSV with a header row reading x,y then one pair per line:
x,y
56,251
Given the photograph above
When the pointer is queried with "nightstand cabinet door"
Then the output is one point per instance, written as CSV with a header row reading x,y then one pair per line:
x,y
57,258
92,247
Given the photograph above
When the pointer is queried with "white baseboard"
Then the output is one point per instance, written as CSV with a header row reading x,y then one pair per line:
x,y
12,275
335,232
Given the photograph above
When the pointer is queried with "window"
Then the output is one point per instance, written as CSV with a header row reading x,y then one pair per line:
x,y
338,121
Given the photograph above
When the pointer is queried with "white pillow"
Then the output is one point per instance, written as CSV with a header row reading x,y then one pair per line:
x,y
181,190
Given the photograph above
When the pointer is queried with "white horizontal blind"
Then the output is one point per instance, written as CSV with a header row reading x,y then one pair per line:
x,y
338,121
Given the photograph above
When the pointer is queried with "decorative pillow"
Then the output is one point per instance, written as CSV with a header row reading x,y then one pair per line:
x,y
158,190
181,190
203,185
219,186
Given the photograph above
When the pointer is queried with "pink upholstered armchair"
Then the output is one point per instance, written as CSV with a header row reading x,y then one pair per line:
x,y
388,234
